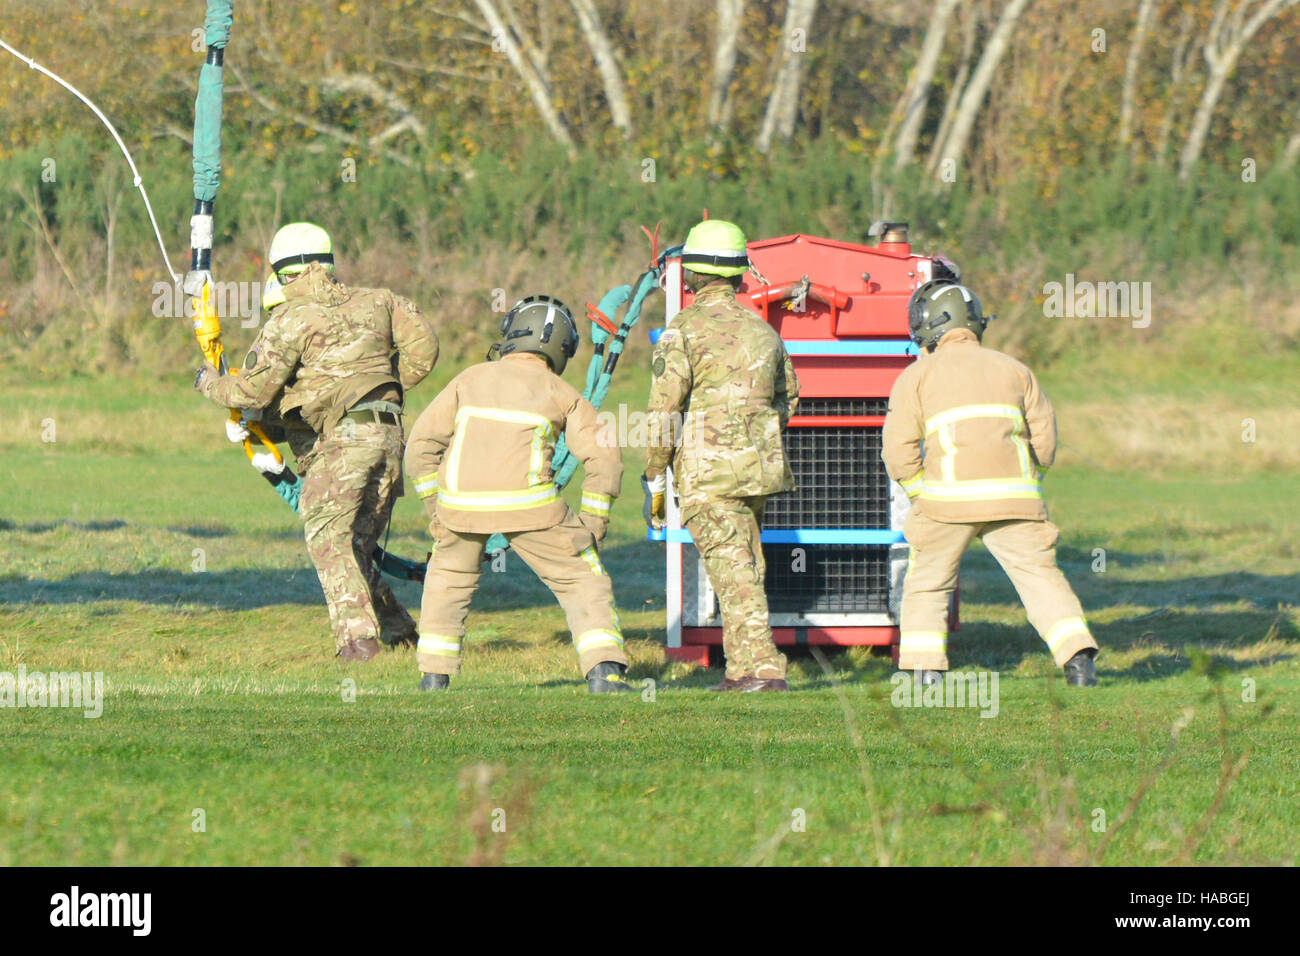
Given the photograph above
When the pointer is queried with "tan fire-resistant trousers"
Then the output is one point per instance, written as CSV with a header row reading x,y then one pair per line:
x,y
1027,552
564,556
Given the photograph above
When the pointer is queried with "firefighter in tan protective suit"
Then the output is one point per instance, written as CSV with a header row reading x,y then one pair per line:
x,y
969,435
480,457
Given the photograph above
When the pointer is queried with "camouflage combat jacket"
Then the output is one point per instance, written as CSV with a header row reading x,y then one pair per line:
x,y
329,347
726,373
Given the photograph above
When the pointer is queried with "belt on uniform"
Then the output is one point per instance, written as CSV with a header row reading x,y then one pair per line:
x,y
369,415
380,413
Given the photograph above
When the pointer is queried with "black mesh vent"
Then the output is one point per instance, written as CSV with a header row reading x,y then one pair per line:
x,y
841,406
835,577
839,478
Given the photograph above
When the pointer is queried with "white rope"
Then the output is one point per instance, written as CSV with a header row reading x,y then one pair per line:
x,y
137,181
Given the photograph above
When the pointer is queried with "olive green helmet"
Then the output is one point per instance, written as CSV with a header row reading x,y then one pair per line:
x,y
542,325
940,306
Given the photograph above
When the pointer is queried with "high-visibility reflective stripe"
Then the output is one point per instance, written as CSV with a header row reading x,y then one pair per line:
x,y
593,559
920,641
543,432
1065,628
439,645
427,485
963,412
596,503
983,489
589,640
950,489
912,485
499,500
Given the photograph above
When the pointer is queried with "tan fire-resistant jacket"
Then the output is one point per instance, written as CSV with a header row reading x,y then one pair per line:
x,y
484,448
969,434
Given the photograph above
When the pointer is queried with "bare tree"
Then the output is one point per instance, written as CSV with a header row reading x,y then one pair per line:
x,y
538,85
911,105
1228,35
970,22
783,103
1146,10
730,14
1292,151
606,65
1178,70
954,144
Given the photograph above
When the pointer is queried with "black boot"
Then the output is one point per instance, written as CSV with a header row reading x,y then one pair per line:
x,y
434,682
608,678
1080,671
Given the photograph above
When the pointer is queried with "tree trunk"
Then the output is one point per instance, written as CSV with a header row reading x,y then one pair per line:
x,y
1177,73
538,88
912,104
606,65
1228,35
1292,151
783,103
954,144
730,14
970,23
1146,10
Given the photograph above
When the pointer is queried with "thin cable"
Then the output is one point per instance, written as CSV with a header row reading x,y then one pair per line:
x,y
138,181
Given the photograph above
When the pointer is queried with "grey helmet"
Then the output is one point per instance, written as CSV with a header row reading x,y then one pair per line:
x,y
540,324
940,306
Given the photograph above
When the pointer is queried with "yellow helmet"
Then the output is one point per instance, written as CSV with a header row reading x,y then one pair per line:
x,y
715,248
272,293
298,244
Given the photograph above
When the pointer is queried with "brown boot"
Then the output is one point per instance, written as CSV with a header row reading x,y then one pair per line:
x,y
754,684
732,684
361,650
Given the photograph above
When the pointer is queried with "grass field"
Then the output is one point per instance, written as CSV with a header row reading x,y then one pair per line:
x,y
222,695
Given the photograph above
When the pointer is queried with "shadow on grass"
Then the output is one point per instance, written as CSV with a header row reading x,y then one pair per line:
x,y
984,581
45,527
515,588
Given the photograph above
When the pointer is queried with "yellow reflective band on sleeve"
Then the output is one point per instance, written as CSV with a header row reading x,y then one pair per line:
x,y
922,641
499,500
590,640
596,503
593,559
439,645
427,485
1064,629
913,485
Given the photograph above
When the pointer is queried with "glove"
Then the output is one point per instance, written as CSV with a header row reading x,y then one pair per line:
x,y
205,377
653,507
236,431
596,524
265,462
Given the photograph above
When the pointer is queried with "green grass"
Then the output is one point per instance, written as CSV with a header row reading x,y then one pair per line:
x,y
222,694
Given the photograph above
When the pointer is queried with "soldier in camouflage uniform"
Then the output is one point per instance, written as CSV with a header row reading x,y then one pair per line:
x,y
728,372
338,360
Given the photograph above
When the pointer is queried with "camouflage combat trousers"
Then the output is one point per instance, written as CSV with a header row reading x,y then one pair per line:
x,y
563,556
1027,552
726,533
350,481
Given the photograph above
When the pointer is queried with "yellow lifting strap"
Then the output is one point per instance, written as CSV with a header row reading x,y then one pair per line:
x,y
207,330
